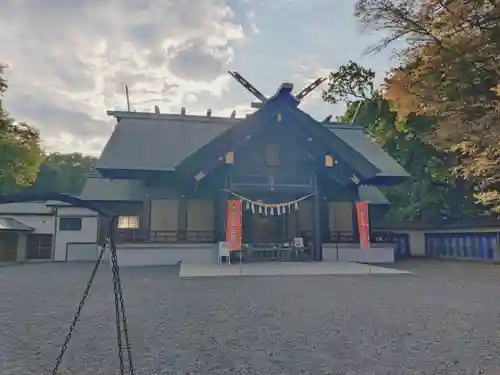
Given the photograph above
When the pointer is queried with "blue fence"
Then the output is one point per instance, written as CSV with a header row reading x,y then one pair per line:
x,y
481,246
401,246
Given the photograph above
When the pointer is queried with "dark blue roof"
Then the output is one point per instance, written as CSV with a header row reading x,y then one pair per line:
x,y
163,142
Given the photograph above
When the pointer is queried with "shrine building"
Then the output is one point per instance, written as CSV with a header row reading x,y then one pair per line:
x,y
169,177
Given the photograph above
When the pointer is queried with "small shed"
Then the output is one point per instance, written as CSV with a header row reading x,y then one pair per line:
x,y
13,236
76,233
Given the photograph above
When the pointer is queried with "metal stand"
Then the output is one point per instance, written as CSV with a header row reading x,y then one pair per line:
x,y
241,263
369,260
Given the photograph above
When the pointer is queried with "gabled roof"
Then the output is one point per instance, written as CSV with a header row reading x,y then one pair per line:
x,y
346,144
98,188
372,195
164,142
373,165
361,143
103,189
158,142
8,224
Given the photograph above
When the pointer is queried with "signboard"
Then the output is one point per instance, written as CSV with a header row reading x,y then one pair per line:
x,y
233,225
363,224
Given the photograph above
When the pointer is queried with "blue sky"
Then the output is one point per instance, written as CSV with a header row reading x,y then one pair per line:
x,y
69,60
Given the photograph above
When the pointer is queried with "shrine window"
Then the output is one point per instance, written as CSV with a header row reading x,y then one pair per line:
x,y
128,222
273,156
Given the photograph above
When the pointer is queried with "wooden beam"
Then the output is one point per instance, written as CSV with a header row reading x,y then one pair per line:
x,y
248,86
327,119
309,88
220,160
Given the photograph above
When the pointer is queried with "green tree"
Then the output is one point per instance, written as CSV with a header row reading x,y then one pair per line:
x,y
448,70
20,151
433,192
64,173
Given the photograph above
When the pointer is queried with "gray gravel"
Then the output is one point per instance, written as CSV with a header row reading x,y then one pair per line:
x,y
443,319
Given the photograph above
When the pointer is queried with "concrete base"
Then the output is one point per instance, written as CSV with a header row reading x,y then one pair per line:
x,y
284,269
345,253
165,254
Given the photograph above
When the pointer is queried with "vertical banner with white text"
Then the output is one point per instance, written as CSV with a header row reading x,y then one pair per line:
x,y
233,225
363,224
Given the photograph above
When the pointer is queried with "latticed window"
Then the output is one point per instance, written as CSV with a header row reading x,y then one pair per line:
x,y
273,156
128,222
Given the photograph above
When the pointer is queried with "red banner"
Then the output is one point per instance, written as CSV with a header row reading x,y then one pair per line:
x,y
233,225
363,224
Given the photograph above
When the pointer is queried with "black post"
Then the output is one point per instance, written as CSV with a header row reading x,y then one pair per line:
x,y
128,98
355,227
222,208
317,251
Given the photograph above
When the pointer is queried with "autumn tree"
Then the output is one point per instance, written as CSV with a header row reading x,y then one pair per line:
x,y
20,151
448,70
433,192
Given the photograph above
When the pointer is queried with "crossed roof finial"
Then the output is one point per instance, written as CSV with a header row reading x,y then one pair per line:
x,y
284,87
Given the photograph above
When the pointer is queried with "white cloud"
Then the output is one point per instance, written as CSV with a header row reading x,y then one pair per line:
x,y
69,60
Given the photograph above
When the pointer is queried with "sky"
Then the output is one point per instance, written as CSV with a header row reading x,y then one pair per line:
x,y
70,59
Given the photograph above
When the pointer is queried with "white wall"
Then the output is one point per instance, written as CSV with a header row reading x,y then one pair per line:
x,y
165,254
378,253
74,242
81,245
33,214
25,208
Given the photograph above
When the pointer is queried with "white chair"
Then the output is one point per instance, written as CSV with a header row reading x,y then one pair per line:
x,y
224,252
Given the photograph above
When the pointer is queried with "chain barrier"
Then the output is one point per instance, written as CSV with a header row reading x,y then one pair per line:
x,y
121,324
109,243
64,346
121,318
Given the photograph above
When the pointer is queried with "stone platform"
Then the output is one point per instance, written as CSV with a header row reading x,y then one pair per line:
x,y
284,269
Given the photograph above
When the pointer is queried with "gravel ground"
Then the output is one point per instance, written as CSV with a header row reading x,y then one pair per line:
x,y
443,319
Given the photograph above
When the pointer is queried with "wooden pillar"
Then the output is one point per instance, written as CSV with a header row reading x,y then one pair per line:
x,y
145,216
355,228
221,214
317,251
182,214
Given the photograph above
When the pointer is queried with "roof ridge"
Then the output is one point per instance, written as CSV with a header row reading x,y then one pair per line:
x,y
339,125
94,173
172,116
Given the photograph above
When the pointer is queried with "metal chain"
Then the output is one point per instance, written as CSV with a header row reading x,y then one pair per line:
x,y
64,346
121,318
114,264
119,299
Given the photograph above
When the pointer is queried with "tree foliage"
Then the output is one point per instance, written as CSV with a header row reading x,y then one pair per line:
x,y
448,71
433,192
20,151
64,173
350,82
24,165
